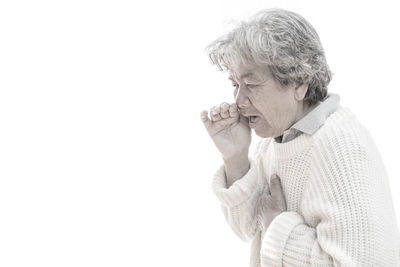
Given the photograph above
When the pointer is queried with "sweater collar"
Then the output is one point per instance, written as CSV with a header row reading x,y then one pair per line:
x,y
311,122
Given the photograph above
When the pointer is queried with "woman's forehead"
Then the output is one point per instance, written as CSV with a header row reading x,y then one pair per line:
x,y
243,71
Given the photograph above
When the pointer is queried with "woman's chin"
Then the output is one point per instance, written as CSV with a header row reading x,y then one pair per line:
x,y
266,132
263,134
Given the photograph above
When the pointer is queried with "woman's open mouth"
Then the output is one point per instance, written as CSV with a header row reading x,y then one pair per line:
x,y
254,119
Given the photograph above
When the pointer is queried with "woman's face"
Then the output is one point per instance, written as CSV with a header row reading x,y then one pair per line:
x,y
258,94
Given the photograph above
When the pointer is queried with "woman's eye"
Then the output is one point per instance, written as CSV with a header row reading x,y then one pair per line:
x,y
235,85
250,85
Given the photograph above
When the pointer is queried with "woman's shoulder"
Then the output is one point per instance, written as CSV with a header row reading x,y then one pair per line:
x,y
342,131
340,116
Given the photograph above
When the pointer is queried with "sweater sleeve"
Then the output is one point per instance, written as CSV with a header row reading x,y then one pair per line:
x,y
238,202
348,203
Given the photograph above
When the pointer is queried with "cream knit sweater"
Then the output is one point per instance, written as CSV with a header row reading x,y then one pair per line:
x,y
339,206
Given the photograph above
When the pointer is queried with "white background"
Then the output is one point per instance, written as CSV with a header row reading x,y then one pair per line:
x,y
104,160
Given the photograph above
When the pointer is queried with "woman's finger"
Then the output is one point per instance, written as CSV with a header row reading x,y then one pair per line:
x,y
224,110
277,193
233,111
215,113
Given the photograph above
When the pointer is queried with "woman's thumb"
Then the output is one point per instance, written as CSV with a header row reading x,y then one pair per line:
x,y
204,118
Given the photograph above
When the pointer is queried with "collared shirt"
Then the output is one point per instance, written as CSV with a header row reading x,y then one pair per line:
x,y
312,120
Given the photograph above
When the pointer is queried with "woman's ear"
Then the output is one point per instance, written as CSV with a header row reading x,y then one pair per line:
x,y
300,92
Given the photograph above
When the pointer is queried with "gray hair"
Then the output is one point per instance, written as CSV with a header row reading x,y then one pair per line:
x,y
282,40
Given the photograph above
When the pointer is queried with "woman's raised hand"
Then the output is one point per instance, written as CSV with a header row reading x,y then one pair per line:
x,y
228,129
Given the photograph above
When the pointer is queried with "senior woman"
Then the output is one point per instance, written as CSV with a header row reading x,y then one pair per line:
x,y
316,192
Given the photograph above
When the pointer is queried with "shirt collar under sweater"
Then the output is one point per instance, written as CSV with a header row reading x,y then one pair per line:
x,y
313,120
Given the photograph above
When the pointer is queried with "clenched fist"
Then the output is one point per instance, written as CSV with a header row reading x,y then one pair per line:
x,y
228,129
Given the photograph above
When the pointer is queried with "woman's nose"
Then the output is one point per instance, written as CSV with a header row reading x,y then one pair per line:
x,y
242,101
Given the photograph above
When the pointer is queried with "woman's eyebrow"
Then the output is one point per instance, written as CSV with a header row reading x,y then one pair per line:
x,y
247,75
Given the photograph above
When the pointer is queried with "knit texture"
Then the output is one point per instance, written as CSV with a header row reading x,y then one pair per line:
x,y
339,206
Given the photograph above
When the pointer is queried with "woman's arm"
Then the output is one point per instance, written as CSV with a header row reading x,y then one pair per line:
x,y
238,201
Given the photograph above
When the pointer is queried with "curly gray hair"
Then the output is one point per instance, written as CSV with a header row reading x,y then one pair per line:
x,y
282,40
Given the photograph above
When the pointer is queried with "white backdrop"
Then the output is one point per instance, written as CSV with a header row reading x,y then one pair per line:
x,y
104,160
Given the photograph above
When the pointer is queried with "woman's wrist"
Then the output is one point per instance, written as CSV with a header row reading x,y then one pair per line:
x,y
236,167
